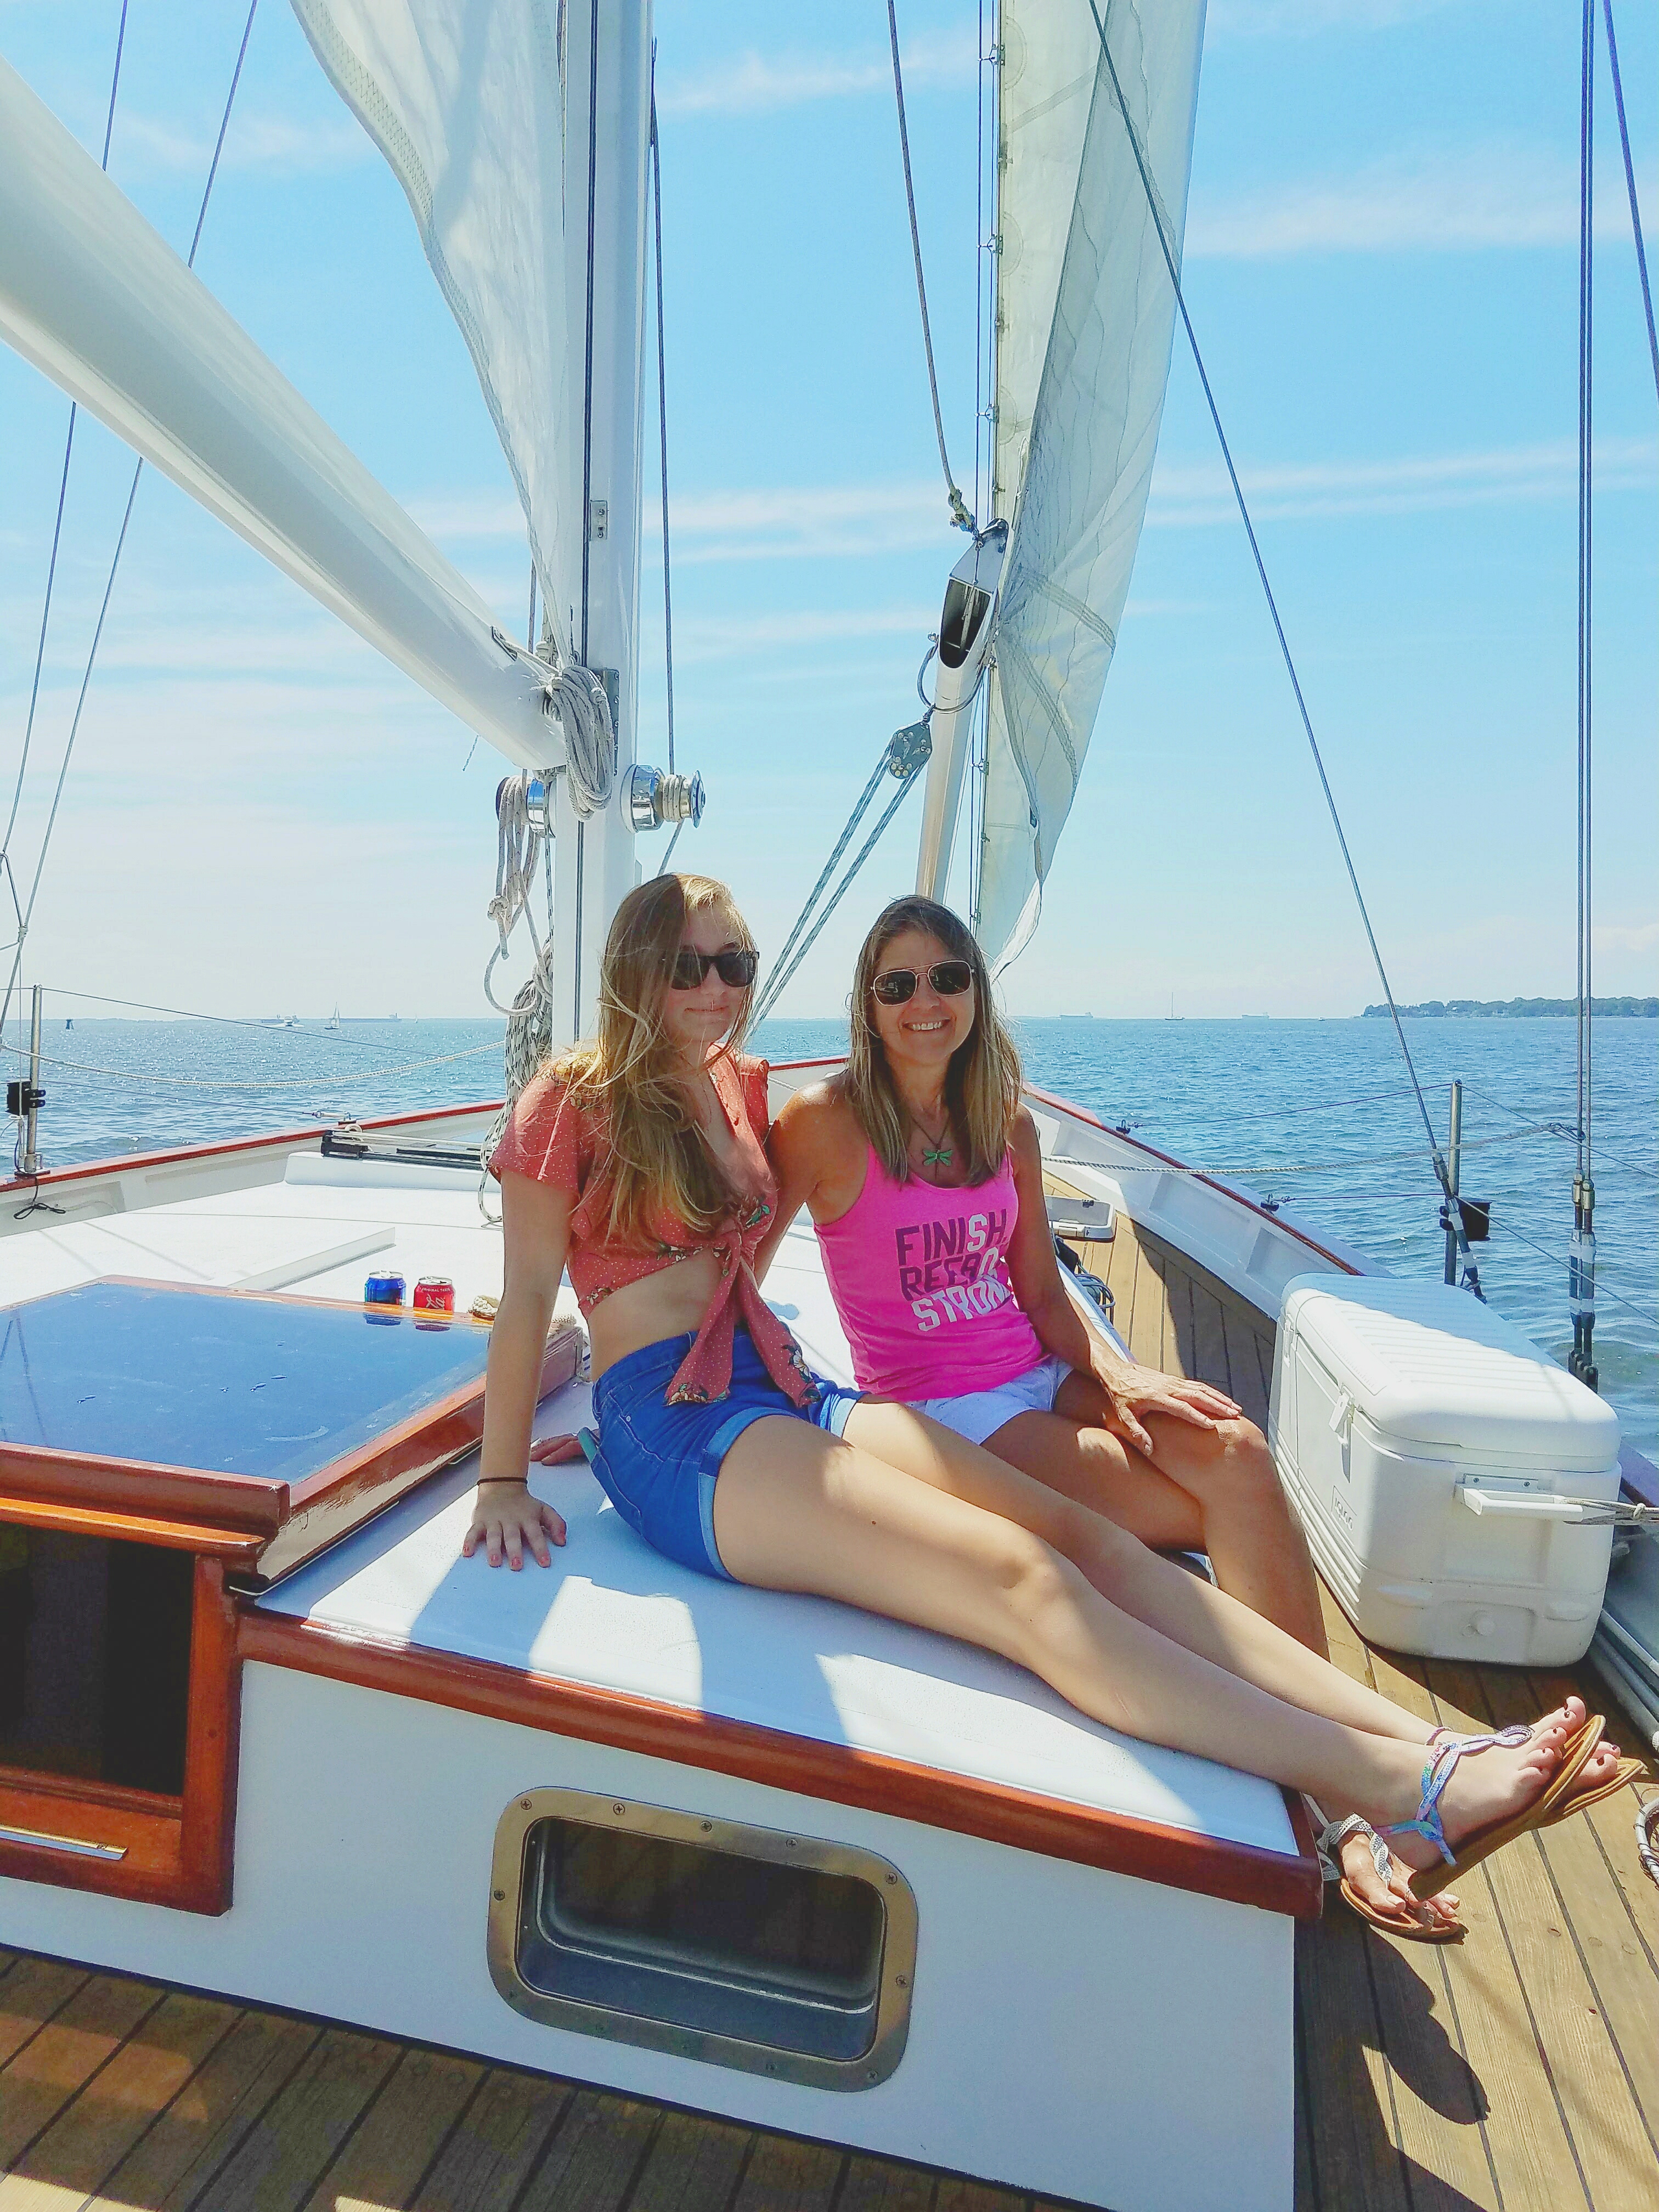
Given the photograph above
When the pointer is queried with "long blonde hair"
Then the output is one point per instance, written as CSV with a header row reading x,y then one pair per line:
x,y
981,1083
631,1072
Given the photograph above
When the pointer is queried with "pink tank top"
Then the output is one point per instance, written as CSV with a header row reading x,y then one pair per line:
x,y
920,1281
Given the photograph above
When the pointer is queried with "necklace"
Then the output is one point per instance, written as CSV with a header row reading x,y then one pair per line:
x,y
934,1151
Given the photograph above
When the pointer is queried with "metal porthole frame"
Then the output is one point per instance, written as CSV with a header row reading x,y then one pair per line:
x,y
703,1831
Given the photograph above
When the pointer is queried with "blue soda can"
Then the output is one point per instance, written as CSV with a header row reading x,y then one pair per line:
x,y
385,1287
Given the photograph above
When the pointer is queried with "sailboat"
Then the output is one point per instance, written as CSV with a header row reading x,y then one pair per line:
x,y
720,1852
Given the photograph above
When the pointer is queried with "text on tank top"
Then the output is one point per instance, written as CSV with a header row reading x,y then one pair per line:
x,y
920,1276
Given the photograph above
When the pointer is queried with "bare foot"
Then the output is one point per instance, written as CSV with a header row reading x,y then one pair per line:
x,y
1502,1782
1390,1894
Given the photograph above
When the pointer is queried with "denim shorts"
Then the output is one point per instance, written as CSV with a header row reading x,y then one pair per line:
x,y
658,1463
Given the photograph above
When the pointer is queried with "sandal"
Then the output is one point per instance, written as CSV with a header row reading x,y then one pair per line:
x,y
1555,1802
1401,1922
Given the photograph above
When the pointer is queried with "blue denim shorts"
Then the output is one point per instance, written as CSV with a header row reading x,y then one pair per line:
x,y
658,1463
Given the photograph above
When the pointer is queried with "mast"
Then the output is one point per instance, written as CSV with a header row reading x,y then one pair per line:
x,y
607,147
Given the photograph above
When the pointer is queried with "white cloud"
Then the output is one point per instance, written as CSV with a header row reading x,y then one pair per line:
x,y
721,638
753,83
274,143
782,523
1621,936
1292,19
1431,201
797,523
1186,495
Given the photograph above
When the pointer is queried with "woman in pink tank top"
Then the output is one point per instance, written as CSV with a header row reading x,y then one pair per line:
x,y
924,1177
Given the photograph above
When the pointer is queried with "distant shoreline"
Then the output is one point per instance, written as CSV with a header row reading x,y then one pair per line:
x,y
1524,1009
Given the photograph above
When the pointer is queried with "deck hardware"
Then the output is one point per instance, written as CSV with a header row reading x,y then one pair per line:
x,y
788,1956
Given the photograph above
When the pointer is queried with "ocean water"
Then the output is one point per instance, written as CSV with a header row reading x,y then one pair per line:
x,y
1316,1114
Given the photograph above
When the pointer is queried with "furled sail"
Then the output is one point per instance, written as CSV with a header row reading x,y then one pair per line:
x,y
1086,314
464,98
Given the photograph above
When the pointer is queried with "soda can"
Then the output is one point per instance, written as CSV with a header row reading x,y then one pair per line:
x,y
435,1294
385,1287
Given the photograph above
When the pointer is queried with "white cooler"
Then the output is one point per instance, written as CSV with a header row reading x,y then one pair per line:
x,y
1436,1457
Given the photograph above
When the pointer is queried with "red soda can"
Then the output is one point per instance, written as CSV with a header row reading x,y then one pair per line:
x,y
435,1294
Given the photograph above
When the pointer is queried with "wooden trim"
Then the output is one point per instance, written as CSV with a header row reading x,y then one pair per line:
x,y
1197,1175
1144,1849
250,1504
240,1550
212,1739
178,1850
136,1162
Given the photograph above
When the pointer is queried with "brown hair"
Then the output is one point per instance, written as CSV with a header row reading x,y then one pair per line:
x,y
982,1084
630,1071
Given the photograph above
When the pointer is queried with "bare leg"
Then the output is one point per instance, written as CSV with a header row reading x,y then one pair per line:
x,y
1207,1489
796,1509
1165,1597
1211,1489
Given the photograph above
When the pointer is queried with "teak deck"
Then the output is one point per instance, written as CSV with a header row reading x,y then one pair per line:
x,y
1518,2071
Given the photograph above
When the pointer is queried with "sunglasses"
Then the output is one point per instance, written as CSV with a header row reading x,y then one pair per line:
x,y
735,969
949,978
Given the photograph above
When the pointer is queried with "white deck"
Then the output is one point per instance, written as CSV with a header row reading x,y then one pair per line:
x,y
613,1614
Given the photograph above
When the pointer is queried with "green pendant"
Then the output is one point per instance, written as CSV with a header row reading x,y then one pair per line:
x,y
941,1159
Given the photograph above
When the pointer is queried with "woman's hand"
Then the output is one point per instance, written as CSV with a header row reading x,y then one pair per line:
x,y
556,1451
1132,1390
507,1521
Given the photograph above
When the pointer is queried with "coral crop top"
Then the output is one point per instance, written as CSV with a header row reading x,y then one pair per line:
x,y
552,1139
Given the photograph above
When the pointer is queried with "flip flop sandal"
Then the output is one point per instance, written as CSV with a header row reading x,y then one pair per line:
x,y
1481,1842
1594,1793
1400,1921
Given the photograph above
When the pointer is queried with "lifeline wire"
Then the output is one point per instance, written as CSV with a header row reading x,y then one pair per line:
x,y
1630,188
115,562
1454,1219
63,488
959,514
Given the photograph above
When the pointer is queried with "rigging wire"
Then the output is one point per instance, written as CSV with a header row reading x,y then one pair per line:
x,y
1630,188
904,756
319,1080
1581,1266
1443,1175
959,514
662,429
63,489
120,542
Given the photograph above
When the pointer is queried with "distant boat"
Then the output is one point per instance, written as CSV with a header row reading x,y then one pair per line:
x,y
1172,1016
333,1021
69,1024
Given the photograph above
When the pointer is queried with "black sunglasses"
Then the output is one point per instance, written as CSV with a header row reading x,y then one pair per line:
x,y
949,978
735,969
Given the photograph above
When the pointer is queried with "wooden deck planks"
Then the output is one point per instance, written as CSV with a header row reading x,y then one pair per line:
x,y
400,2136
84,2146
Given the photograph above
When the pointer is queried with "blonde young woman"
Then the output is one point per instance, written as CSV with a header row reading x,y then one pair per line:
x,y
639,1160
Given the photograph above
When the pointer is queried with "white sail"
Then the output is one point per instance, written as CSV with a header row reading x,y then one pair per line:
x,y
100,303
464,99
1087,312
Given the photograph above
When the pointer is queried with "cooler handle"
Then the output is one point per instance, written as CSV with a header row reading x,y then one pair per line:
x,y
1538,1504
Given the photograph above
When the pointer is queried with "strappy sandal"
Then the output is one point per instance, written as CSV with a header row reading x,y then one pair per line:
x,y
1555,1802
1575,1801
1401,1922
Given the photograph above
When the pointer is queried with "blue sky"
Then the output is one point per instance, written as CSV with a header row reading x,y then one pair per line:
x,y
1381,265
